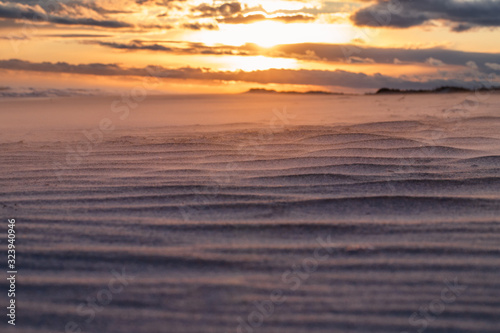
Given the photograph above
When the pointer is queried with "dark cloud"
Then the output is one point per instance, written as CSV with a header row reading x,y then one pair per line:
x,y
38,14
156,26
16,11
56,7
328,52
135,45
464,15
227,9
14,37
171,4
78,6
246,19
343,52
76,36
92,13
35,92
188,48
234,13
60,67
276,76
89,22
160,2
200,26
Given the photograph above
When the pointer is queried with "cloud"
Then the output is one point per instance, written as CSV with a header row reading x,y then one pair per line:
x,y
74,6
434,62
188,48
276,76
135,45
89,22
226,9
38,14
359,60
234,13
14,37
347,53
14,11
247,19
464,15
472,65
76,35
165,3
199,26
493,66
343,52
90,13
34,92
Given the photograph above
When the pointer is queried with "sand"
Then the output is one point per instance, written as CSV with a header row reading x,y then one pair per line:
x,y
254,213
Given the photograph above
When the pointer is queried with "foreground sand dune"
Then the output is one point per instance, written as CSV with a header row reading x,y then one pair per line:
x,y
211,214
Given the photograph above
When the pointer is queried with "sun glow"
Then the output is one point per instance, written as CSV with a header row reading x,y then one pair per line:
x,y
268,34
254,63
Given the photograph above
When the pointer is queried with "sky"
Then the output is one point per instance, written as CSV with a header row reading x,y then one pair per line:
x,y
81,47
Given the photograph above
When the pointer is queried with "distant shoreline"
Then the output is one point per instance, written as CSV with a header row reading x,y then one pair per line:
x,y
7,94
271,91
440,90
381,91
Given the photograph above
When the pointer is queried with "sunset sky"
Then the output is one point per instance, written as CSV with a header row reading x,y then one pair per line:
x,y
105,46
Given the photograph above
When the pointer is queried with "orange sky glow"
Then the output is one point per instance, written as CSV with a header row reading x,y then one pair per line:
x,y
232,46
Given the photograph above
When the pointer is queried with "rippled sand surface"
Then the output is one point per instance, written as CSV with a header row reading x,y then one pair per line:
x,y
364,213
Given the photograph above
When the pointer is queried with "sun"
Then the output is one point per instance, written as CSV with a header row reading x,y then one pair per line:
x,y
270,33
264,34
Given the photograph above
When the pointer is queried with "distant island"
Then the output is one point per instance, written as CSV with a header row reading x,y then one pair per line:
x,y
382,91
440,90
271,91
